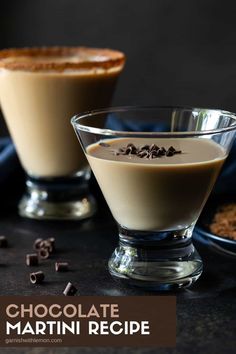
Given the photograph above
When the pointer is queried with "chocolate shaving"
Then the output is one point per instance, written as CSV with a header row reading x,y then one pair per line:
x,y
147,151
169,153
104,145
143,154
153,147
162,151
144,147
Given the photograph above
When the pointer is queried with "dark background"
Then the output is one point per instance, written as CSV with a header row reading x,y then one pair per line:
x,y
179,52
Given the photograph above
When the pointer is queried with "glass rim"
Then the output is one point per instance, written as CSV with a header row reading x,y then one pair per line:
x,y
103,131
115,59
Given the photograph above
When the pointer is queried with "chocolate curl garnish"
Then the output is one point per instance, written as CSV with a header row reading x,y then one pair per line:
x,y
147,151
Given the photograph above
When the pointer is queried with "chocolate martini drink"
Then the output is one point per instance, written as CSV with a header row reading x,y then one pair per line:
x,y
40,89
156,178
156,183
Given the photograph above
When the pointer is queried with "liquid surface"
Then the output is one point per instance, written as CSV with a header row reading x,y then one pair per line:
x,y
193,150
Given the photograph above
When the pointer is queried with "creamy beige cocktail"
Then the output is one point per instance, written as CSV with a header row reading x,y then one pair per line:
x,y
40,89
160,193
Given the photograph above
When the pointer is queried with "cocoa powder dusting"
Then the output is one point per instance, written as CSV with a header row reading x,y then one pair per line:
x,y
224,221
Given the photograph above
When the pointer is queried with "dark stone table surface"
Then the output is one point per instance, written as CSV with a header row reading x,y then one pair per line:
x,y
206,313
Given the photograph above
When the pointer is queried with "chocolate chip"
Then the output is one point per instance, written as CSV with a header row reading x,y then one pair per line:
x,y
144,147
3,242
70,290
169,153
32,259
37,243
146,151
44,253
104,144
37,277
131,149
61,266
154,154
128,150
162,151
134,150
154,147
143,154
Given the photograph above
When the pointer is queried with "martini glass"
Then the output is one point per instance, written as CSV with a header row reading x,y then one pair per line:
x,y
156,200
40,89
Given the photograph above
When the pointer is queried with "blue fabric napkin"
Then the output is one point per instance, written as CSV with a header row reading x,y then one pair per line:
x,y
226,183
9,163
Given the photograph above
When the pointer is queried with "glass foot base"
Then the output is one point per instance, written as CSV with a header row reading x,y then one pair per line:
x,y
167,264
56,200
76,210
